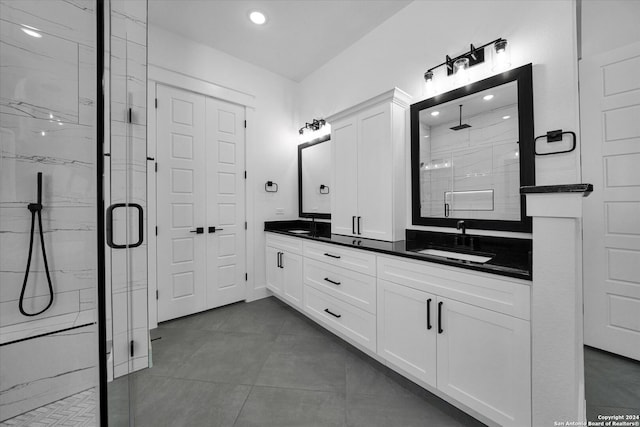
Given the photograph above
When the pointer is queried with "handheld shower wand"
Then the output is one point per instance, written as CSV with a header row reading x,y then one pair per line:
x,y
36,209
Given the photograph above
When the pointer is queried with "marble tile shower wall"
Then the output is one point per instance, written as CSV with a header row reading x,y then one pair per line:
x,y
47,124
127,180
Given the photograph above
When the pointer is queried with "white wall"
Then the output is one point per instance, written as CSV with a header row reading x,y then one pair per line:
x,y
608,24
398,52
271,150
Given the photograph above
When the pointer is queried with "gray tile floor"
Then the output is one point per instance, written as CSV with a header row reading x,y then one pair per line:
x,y
264,364
612,384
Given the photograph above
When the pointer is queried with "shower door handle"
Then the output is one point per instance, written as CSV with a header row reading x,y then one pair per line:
x,y
109,225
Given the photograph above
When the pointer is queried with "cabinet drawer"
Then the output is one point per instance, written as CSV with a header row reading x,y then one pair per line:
x,y
483,290
349,286
285,243
352,259
353,322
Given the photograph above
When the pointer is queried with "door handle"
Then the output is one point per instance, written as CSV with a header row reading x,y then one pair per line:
x,y
429,313
199,230
278,259
331,281
280,264
359,218
353,224
109,225
326,310
440,330
214,229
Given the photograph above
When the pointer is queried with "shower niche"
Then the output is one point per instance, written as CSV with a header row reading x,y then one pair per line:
x,y
471,150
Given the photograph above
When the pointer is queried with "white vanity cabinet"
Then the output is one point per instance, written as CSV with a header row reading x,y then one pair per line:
x,y
368,157
462,334
340,290
284,268
471,351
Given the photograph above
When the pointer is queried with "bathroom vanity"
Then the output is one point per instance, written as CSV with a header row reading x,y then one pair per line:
x,y
459,328
449,311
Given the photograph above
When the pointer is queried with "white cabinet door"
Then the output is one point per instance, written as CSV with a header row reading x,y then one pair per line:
x,y
275,276
344,189
292,280
407,330
484,361
375,204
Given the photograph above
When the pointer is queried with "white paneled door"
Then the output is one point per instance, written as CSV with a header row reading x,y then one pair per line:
x,y
610,117
225,203
200,203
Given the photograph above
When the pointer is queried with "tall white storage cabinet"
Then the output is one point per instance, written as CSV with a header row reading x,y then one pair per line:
x,y
367,193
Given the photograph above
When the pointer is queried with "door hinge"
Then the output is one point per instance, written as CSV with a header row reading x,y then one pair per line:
x,y
245,124
245,225
246,277
156,102
157,294
131,347
156,230
130,117
156,167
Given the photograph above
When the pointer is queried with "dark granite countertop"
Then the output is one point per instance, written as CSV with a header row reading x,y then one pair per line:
x,y
510,257
586,189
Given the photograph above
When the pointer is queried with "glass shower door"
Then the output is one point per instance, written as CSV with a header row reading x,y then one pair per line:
x,y
125,203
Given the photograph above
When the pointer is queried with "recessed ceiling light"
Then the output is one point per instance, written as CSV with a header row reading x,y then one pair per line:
x,y
487,97
435,113
506,117
257,18
31,32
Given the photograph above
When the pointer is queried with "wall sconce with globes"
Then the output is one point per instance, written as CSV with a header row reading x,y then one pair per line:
x,y
459,65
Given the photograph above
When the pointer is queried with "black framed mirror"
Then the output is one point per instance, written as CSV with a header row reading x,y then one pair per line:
x,y
314,175
471,150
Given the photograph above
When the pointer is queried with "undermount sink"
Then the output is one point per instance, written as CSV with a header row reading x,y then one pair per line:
x,y
299,231
460,256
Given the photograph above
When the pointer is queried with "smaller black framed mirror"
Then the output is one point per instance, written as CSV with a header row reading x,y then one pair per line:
x,y
471,150
314,175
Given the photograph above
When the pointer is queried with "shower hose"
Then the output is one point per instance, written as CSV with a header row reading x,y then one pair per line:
x,y
36,209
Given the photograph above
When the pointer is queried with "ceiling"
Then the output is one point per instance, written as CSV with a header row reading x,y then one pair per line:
x,y
298,37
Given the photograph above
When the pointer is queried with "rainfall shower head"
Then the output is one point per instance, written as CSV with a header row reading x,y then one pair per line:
x,y
461,125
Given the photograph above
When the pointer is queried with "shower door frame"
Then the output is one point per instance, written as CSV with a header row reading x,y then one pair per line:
x,y
102,313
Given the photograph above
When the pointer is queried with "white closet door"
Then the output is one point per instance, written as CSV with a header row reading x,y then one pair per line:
x,y
225,203
375,203
344,187
610,111
181,203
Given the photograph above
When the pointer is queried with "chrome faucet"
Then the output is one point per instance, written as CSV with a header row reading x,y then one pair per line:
x,y
463,226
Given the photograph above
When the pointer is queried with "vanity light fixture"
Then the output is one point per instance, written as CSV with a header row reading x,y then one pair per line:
x,y
257,17
458,65
315,125
501,60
